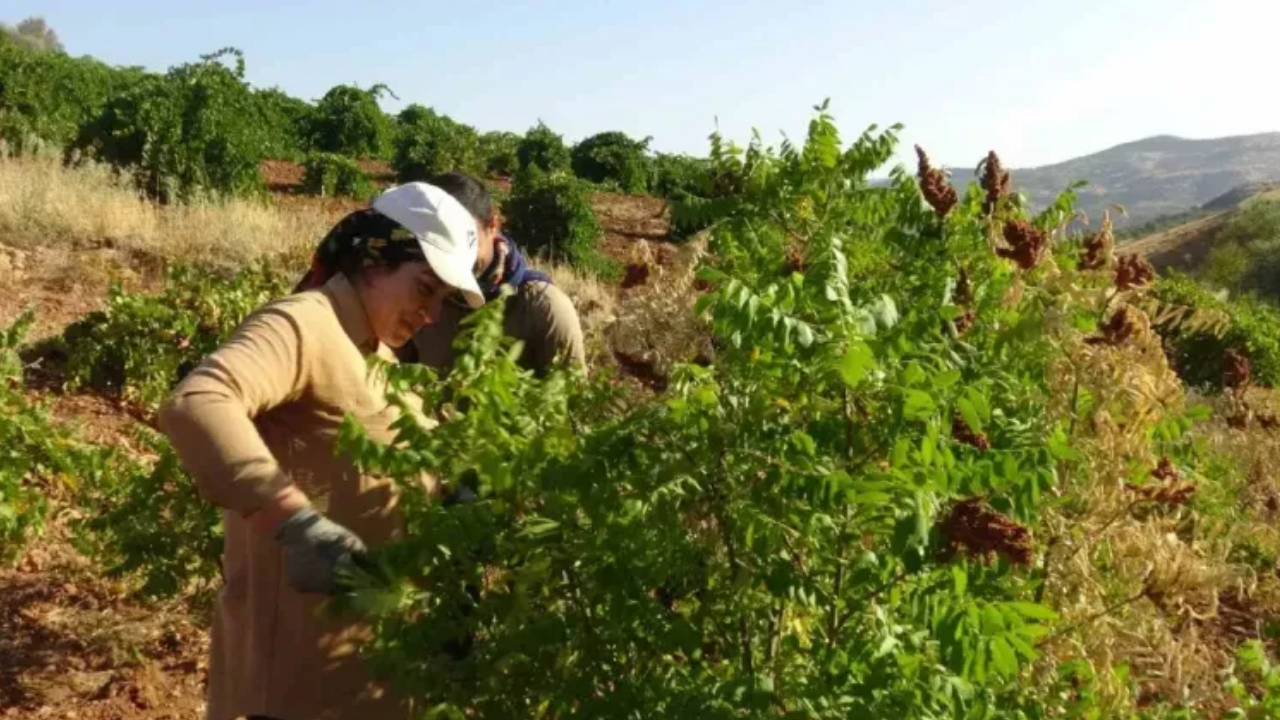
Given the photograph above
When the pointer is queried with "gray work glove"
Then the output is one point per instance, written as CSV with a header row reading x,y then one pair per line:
x,y
314,548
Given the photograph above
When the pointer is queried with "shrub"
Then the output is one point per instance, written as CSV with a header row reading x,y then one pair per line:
x,y
716,552
28,444
179,550
679,176
286,123
498,150
1245,257
187,134
328,175
348,121
45,97
140,346
551,215
1198,352
613,158
430,144
543,149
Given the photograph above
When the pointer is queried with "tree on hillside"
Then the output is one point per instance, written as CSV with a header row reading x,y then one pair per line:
x,y
1246,253
614,157
428,144
544,149
348,121
33,33
499,152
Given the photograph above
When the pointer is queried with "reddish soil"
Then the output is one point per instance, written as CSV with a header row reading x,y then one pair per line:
x,y
71,646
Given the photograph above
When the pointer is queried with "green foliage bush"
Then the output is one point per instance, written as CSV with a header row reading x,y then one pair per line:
x,y
543,149
551,215
184,135
499,153
1197,353
146,523
328,175
613,158
28,446
429,144
348,121
765,539
141,345
1256,687
1246,253
286,123
45,97
143,522
680,176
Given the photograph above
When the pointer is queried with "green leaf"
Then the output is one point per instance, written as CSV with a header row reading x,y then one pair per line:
x,y
1022,646
1010,467
885,312
914,374
804,334
946,379
979,403
927,446
960,578
970,414
992,620
704,302
917,405
857,361
1003,659
1033,611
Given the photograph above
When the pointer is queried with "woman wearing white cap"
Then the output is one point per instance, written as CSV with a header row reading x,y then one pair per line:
x,y
256,424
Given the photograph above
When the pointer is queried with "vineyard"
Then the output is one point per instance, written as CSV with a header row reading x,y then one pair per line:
x,y
847,449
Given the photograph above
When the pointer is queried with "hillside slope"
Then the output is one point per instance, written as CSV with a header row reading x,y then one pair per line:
x,y
1185,246
1156,176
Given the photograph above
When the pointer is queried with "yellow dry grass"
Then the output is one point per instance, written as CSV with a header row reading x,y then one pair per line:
x,y
44,204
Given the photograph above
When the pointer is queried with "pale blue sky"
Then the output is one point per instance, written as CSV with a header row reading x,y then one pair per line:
x,y
1038,81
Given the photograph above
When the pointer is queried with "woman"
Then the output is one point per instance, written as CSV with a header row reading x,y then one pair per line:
x,y
256,424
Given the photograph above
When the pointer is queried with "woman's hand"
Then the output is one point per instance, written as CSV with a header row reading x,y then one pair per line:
x,y
314,548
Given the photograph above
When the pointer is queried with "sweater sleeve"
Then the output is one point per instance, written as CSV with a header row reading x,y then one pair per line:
x,y
209,417
551,328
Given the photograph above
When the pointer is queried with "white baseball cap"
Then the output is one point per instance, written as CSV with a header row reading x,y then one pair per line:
x,y
444,228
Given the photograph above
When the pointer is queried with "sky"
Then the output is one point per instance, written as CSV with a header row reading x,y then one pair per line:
x,y
1037,81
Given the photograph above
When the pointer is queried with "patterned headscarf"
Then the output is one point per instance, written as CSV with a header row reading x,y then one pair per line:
x,y
367,234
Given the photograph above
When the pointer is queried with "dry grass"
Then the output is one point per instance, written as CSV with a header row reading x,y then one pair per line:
x,y
656,323
44,204
596,303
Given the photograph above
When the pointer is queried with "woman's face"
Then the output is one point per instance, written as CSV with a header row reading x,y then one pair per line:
x,y
400,302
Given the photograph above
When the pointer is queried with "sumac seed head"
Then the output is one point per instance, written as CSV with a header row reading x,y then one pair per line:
x,y
934,186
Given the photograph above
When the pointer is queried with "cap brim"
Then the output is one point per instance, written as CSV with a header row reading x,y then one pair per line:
x,y
455,277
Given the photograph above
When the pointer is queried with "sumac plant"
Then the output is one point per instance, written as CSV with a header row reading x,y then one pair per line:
x,y
807,528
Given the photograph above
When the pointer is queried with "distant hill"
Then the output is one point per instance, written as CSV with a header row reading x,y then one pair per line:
x,y
1161,175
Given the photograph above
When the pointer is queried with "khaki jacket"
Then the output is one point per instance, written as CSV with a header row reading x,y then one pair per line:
x,y
262,411
540,314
